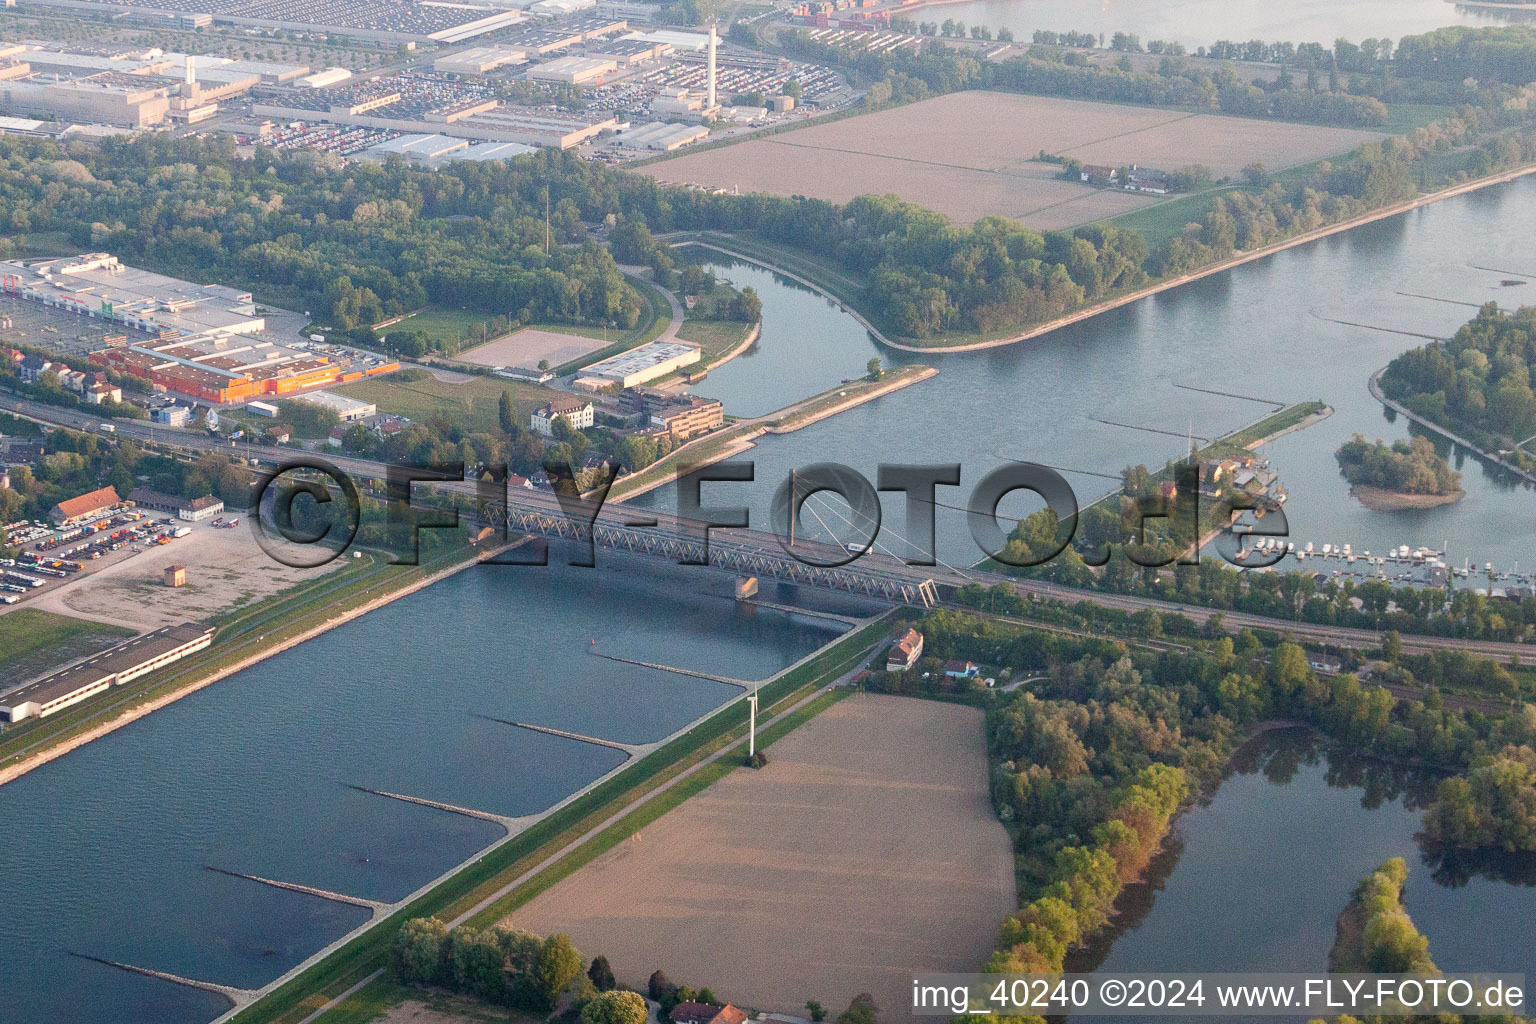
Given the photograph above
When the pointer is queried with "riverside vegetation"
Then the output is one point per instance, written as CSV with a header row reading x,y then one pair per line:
x,y
1411,468
1093,755
1478,383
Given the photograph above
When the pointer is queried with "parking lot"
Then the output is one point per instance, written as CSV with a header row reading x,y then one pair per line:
x,y
51,556
69,335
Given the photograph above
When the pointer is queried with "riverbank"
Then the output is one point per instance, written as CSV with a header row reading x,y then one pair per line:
x,y
1428,424
1089,312
1378,500
732,441
79,737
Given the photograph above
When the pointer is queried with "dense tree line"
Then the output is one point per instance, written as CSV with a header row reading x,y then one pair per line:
x,y
1404,467
497,965
1090,762
1493,806
1382,938
1051,73
1479,382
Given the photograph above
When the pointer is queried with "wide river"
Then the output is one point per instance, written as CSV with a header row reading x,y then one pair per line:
x,y
106,849
1197,23
1267,330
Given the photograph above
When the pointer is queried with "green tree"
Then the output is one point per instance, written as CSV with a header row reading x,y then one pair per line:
x,y
874,369
601,974
417,952
506,413
615,1008
555,966
861,1010
816,1010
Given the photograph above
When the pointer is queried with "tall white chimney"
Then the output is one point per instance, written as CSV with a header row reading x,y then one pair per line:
x,y
191,72
710,99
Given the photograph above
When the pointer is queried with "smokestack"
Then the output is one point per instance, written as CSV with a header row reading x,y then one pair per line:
x,y
191,72
710,100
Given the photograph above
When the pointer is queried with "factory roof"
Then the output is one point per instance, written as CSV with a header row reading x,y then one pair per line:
x,y
108,663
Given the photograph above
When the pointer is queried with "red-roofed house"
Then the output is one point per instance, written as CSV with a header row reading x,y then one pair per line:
x,y
905,652
704,1013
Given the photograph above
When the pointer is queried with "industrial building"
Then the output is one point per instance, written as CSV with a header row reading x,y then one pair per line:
x,y
192,510
113,667
658,135
392,21
419,147
197,340
492,151
98,285
480,59
348,410
573,70
628,52
645,363
685,105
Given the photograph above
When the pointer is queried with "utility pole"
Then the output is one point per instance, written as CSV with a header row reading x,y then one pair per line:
x,y
752,725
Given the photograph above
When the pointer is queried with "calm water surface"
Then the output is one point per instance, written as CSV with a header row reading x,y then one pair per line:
x,y
106,849
1198,23
1257,877
1267,330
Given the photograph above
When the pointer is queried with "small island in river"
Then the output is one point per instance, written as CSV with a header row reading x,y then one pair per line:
x,y
1406,474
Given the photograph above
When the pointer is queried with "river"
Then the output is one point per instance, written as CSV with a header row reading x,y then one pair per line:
x,y
1254,879
1265,330
1197,23
105,849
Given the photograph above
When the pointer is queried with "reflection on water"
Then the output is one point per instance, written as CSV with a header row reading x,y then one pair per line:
x,y
1256,873
1198,23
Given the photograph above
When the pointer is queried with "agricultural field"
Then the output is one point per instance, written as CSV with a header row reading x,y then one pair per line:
x,y
974,154
530,346
470,403
865,850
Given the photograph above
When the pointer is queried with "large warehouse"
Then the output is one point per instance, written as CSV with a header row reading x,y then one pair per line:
x,y
204,341
112,667
647,362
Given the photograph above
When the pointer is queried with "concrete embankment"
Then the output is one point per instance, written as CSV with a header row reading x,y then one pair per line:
x,y
732,441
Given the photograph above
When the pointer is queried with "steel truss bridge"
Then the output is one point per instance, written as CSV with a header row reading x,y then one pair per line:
x,y
739,552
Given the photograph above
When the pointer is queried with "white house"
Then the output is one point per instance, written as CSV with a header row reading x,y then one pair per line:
x,y
577,413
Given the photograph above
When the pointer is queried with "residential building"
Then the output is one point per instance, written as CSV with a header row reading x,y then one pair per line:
x,y
960,669
577,412
905,652
86,506
705,1013
687,416
172,415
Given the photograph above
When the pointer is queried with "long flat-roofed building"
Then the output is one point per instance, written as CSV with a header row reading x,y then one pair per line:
x,y
647,362
113,667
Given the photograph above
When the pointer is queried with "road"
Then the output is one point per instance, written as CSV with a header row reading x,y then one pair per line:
x,y
765,545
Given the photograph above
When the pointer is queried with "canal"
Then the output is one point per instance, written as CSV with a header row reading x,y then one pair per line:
x,y
106,849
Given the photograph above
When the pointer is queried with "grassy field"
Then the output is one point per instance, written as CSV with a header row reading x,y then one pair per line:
x,y
1282,420
471,404
444,326
715,337
299,998
33,641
